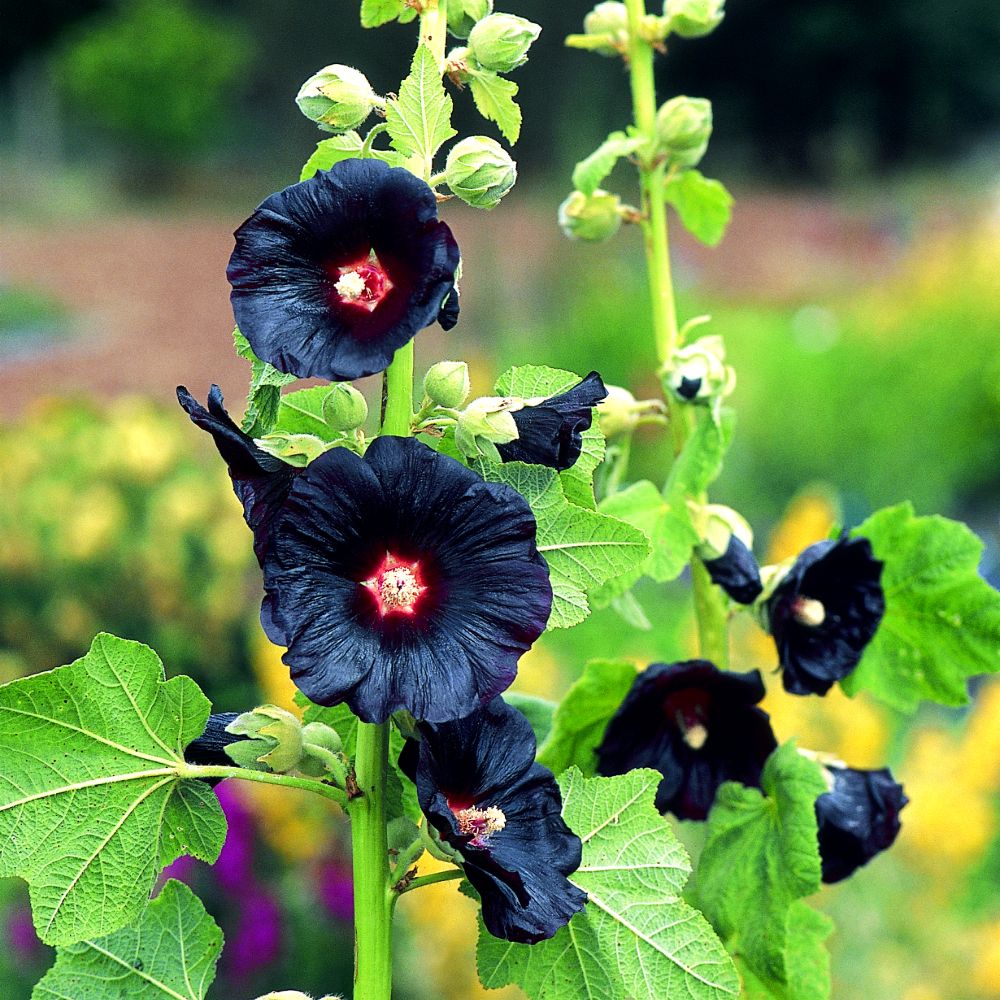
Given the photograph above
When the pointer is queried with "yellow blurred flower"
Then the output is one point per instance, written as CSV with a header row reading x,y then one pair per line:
x,y
986,964
91,525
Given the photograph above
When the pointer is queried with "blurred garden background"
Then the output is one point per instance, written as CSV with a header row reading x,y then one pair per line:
x,y
858,291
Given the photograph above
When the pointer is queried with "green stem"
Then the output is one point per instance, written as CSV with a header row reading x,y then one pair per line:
x,y
265,778
449,875
399,398
709,607
372,898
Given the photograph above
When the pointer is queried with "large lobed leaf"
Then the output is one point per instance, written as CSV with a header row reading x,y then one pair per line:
x,y
762,855
264,396
91,805
583,548
419,120
637,939
942,619
494,99
170,954
375,13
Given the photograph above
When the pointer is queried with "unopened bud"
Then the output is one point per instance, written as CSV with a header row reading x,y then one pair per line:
x,y
698,373
694,18
608,20
447,383
593,217
337,98
683,128
267,724
463,15
719,525
500,42
480,171
344,408
456,65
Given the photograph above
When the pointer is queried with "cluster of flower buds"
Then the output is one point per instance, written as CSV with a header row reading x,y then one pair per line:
x,y
338,98
698,373
606,27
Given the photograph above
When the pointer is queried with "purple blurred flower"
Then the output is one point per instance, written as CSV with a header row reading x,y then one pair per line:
x,y
21,934
256,941
234,869
336,890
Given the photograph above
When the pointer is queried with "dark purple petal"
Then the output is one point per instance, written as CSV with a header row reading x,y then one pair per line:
x,y
824,613
487,762
259,480
858,819
209,749
290,253
736,572
486,596
551,432
697,725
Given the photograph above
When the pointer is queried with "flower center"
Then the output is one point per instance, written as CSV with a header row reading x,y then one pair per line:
x,y
396,586
364,284
808,611
480,824
688,710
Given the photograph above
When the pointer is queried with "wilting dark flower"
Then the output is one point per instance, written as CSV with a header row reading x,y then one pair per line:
x,y
697,725
550,432
824,612
478,783
857,819
260,481
332,275
209,749
403,580
736,572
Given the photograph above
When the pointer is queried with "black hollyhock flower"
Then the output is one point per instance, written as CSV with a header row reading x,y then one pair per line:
x,y
209,750
403,580
857,819
478,783
332,275
736,572
261,481
550,432
824,613
695,724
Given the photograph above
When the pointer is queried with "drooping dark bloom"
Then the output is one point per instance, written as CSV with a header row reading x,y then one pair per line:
x,y
209,749
260,481
697,725
403,580
479,785
736,572
857,819
332,275
551,432
824,612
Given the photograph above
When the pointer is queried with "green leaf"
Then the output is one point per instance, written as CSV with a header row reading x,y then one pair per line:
x,y
942,619
264,397
331,151
494,99
761,855
807,960
91,806
295,449
302,413
375,13
583,548
588,173
169,954
637,939
538,711
704,206
530,381
583,715
419,119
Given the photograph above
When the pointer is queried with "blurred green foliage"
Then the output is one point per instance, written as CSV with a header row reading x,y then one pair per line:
x,y
158,74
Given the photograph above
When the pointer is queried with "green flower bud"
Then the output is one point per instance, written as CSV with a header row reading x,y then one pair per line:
x,y
337,98
447,383
683,127
694,18
698,373
618,413
344,408
464,14
480,171
484,424
718,525
595,217
500,42
609,20
456,65
270,723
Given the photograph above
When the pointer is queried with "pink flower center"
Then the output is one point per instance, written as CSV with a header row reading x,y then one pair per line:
x,y
480,824
688,709
808,611
363,284
396,586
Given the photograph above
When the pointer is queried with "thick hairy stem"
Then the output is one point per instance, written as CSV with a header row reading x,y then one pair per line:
x,y
709,607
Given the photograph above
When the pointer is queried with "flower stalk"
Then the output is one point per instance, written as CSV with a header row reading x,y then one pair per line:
x,y
710,610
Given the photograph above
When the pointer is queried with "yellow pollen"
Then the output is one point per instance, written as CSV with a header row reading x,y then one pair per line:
x,y
695,736
398,588
808,611
480,824
351,286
